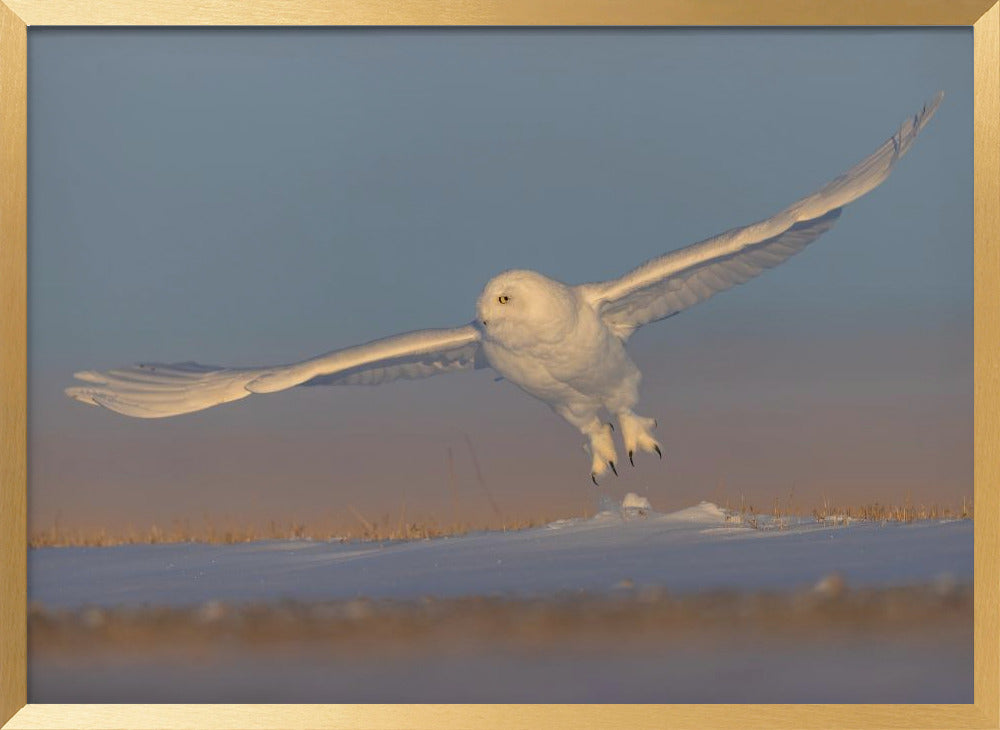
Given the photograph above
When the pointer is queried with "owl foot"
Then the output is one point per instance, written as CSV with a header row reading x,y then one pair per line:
x,y
602,448
636,434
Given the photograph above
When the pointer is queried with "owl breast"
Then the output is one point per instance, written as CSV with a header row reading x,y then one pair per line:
x,y
576,356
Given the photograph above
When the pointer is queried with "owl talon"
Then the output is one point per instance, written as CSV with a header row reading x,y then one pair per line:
x,y
636,433
602,450
593,478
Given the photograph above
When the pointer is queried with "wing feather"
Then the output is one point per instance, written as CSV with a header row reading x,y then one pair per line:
x,y
671,283
153,390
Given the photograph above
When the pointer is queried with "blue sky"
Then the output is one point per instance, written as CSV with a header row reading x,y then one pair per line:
x,y
260,196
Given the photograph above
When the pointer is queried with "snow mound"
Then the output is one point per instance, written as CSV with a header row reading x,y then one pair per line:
x,y
635,502
703,513
610,513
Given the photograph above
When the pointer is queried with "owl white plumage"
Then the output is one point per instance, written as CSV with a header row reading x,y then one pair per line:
x,y
563,344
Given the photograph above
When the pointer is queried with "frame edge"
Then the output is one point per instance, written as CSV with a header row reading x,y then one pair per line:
x,y
13,373
986,277
502,12
13,361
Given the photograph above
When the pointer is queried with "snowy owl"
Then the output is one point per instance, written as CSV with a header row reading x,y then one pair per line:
x,y
560,343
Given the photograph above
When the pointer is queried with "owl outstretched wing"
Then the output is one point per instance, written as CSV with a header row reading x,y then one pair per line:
x,y
153,390
671,283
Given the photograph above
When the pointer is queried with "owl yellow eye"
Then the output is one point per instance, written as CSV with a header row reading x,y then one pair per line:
x,y
503,299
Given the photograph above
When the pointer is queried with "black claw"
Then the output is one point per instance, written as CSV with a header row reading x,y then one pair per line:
x,y
658,450
630,459
612,465
656,423
593,478
611,425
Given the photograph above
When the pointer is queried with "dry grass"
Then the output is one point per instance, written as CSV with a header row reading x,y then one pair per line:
x,y
394,528
784,513
745,514
385,530
876,512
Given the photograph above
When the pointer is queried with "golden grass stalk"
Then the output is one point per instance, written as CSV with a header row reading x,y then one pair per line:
x,y
389,529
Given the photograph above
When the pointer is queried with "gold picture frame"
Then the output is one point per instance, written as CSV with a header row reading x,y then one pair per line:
x,y
16,16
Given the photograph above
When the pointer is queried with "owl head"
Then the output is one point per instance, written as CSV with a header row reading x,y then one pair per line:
x,y
519,308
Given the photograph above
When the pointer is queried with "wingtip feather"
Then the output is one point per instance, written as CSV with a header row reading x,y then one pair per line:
x,y
920,119
80,394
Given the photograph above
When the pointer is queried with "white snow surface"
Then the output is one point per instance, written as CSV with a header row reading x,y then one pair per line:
x,y
692,550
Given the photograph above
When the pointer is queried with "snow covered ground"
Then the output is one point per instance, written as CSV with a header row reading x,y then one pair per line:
x,y
693,550
627,606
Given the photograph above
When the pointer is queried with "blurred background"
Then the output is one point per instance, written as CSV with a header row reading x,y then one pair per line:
x,y
250,197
